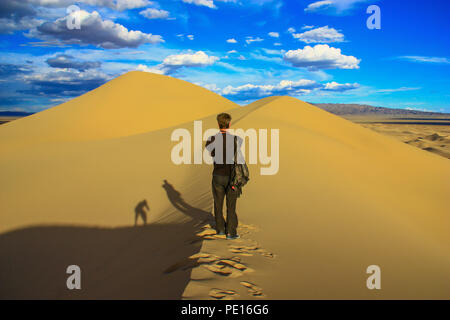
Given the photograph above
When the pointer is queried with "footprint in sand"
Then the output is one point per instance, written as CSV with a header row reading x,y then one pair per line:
x,y
232,267
250,250
192,262
253,289
222,294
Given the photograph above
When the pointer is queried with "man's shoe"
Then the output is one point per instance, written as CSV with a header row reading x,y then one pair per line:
x,y
230,237
221,233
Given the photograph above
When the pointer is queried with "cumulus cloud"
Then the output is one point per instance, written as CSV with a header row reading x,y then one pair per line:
x,y
340,87
124,4
17,15
291,30
205,3
143,67
284,87
174,62
321,56
274,34
232,40
64,61
94,31
152,13
320,35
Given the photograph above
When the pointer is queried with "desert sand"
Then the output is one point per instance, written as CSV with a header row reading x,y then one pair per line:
x,y
345,197
423,134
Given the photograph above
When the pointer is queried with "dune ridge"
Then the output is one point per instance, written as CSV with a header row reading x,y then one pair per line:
x,y
345,197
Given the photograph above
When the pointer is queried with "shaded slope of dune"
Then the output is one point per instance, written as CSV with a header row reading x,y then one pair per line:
x,y
344,198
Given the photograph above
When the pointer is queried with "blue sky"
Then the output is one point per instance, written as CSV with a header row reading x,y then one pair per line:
x,y
317,51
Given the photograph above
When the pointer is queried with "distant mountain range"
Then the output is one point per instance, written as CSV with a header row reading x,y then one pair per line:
x,y
335,108
14,114
360,109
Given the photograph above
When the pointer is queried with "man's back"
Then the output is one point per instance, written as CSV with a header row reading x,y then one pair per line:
x,y
222,148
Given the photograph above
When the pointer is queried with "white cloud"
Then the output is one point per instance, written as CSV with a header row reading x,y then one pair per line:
x,y
320,35
190,36
232,40
145,68
318,5
124,4
338,6
277,44
206,3
424,59
284,87
152,13
94,30
251,39
27,14
321,56
339,87
274,34
174,62
119,5
401,89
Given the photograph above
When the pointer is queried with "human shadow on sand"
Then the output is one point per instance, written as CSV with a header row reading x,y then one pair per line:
x,y
198,215
139,212
115,263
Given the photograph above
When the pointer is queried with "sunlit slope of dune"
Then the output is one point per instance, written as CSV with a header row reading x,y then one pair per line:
x,y
133,103
346,198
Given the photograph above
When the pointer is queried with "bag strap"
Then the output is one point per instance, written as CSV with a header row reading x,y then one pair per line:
x,y
235,150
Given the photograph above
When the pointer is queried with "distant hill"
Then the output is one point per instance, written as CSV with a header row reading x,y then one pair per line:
x,y
14,114
360,109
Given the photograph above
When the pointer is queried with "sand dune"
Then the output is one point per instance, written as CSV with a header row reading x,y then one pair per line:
x,y
136,102
345,197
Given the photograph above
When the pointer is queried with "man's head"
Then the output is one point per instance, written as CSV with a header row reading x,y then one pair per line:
x,y
223,119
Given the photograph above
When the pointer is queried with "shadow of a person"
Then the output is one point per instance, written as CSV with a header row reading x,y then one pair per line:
x,y
181,205
140,212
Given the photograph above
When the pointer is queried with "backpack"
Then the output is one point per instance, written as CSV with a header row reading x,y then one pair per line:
x,y
239,173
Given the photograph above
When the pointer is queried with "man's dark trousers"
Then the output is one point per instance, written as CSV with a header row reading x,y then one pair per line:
x,y
220,190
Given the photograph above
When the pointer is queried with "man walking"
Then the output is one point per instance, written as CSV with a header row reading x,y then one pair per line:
x,y
222,148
